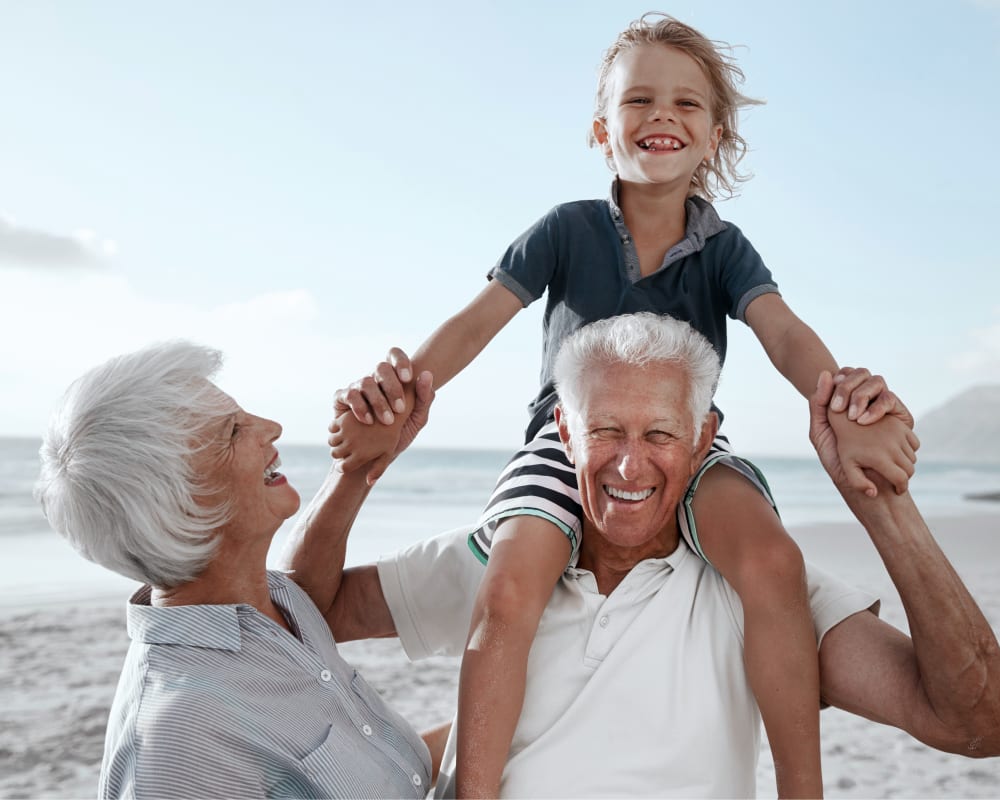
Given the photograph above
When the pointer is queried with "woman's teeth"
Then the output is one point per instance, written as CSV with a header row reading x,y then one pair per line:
x,y
271,470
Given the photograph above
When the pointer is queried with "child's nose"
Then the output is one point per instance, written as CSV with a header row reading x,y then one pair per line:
x,y
660,112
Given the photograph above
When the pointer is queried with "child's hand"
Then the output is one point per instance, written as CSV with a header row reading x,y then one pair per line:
x,y
866,397
887,447
355,444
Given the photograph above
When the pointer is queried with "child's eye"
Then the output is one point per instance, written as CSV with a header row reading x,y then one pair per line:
x,y
688,104
638,101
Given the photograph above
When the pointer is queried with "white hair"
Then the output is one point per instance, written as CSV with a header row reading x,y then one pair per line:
x,y
117,479
641,339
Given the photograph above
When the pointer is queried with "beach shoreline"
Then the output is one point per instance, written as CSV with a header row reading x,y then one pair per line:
x,y
60,660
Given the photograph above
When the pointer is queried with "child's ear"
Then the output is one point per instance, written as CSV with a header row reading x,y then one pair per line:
x,y
601,135
713,143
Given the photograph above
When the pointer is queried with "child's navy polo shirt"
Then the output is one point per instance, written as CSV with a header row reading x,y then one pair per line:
x,y
582,254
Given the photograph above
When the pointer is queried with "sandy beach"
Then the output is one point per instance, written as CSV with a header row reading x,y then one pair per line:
x,y
60,665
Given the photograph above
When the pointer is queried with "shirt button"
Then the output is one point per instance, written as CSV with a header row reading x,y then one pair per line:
x,y
366,730
416,780
624,240
604,622
325,675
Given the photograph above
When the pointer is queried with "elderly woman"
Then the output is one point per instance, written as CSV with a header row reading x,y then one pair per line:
x,y
233,686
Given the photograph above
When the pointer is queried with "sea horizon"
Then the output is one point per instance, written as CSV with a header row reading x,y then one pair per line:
x,y
427,491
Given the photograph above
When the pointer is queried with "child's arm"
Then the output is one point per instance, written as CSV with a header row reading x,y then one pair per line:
x,y
527,556
887,446
354,439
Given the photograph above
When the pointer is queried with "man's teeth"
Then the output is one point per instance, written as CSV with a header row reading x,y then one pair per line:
x,y
621,494
272,469
660,144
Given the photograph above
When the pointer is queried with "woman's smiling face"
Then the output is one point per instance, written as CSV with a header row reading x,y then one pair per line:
x,y
237,458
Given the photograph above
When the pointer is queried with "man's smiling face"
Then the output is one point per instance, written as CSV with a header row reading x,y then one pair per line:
x,y
635,447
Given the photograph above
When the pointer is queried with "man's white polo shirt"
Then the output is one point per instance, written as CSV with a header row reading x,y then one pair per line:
x,y
642,693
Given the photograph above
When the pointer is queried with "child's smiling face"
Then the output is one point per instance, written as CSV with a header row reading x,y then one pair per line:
x,y
659,126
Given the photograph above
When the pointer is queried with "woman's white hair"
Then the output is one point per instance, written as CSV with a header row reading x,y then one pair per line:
x,y
117,478
639,339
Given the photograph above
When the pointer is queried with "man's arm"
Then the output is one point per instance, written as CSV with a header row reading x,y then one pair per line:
x,y
314,554
943,686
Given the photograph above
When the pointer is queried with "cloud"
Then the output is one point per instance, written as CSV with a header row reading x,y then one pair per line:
x,y
31,247
982,359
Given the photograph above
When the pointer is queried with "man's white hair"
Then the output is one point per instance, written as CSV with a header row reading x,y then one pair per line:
x,y
117,478
641,339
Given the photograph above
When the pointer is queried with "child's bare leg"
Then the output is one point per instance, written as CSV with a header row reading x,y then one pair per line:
x,y
527,556
744,539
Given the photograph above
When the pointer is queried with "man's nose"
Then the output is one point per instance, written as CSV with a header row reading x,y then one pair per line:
x,y
629,461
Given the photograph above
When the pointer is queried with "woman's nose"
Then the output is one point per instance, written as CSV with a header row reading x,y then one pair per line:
x,y
269,429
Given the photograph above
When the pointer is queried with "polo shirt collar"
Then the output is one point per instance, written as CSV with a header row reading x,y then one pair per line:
x,y
214,627
702,222
639,574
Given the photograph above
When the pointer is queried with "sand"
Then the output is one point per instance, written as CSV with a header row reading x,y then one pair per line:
x,y
60,665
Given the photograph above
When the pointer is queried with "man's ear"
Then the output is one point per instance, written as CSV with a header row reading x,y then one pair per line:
x,y
564,436
709,428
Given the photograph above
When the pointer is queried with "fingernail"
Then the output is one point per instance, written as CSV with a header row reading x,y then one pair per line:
x,y
400,405
853,412
387,418
368,419
405,375
837,404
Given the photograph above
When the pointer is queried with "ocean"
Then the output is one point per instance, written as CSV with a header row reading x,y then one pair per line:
x,y
425,492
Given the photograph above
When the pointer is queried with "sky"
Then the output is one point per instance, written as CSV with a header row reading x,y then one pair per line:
x,y
306,184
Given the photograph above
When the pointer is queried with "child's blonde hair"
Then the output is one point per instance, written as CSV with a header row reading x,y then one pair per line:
x,y
719,175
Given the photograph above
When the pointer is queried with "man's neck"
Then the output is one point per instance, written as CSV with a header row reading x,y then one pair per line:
x,y
610,563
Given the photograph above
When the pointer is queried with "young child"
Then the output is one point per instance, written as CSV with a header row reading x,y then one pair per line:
x,y
665,120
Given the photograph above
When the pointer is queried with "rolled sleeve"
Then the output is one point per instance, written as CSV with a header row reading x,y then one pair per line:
x,y
430,588
831,600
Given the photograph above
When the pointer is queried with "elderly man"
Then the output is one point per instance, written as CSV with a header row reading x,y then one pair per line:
x,y
636,684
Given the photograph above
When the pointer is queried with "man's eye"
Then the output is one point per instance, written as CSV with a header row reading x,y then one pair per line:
x,y
659,437
236,429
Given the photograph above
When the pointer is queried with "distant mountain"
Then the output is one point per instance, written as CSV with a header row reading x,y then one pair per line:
x,y
966,428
